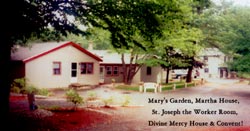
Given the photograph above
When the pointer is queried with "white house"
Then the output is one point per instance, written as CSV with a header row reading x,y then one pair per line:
x,y
55,64
59,64
215,62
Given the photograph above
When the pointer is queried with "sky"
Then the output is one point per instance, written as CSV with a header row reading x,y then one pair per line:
x,y
238,2
242,2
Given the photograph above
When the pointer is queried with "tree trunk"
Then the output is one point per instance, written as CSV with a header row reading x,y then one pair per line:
x,y
124,69
129,71
167,76
5,82
189,74
130,76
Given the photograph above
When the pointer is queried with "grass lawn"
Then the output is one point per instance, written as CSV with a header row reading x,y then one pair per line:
x,y
165,87
128,87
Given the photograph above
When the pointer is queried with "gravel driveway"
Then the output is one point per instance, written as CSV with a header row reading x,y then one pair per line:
x,y
226,106
224,103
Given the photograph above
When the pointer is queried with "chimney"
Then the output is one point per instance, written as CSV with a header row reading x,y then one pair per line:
x,y
90,47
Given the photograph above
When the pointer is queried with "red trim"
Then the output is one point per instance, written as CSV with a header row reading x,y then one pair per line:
x,y
59,47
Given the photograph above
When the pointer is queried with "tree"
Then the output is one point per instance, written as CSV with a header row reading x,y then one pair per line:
x,y
126,34
124,19
25,17
226,28
178,51
179,46
238,41
199,7
99,38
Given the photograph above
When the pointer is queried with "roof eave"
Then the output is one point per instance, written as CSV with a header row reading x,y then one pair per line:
x,y
61,46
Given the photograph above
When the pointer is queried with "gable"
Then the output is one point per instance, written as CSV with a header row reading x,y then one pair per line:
x,y
27,54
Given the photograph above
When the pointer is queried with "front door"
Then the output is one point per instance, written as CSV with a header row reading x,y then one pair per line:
x,y
101,75
73,72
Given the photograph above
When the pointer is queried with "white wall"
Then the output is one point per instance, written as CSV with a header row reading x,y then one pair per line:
x,y
40,71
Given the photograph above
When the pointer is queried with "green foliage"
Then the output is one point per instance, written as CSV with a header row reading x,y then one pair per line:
x,y
181,40
45,36
228,29
126,19
108,101
200,5
19,82
127,87
100,38
91,95
34,17
44,92
30,89
73,96
243,75
15,89
19,86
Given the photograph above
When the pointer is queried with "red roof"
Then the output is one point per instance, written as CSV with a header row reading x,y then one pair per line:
x,y
27,54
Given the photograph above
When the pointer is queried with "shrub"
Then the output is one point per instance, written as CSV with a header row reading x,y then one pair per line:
x,y
92,95
108,101
18,83
74,97
126,100
15,89
29,90
44,92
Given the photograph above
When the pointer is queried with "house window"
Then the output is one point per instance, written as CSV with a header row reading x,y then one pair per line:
x,y
112,70
206,70
115,70
56,68
205,58
149,70
109,70
87,68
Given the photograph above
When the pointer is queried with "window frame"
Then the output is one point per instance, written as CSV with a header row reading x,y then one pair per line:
x,y
205,58
113,70
85,70
108,69
59,69
206,70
